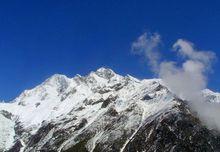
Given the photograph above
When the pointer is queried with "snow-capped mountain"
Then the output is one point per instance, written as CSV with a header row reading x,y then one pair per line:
x,y
103,111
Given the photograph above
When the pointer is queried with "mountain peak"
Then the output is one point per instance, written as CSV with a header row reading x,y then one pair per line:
x,y
103,69
105,72
57,79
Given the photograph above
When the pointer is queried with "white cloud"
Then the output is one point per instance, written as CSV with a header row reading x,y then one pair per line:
x,y
187,49
147,44
186,79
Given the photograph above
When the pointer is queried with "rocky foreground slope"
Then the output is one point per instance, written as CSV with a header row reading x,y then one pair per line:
x,y
103,112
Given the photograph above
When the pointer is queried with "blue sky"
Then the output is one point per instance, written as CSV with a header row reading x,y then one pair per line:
x,y
40,38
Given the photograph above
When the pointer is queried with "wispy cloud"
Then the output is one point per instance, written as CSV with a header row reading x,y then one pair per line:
x,y
188,50
148,44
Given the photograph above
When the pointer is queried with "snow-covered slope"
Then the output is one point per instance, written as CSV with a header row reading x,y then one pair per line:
x,y
7,131
102,111
211,96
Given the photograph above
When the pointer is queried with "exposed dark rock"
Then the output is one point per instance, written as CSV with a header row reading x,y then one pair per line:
x,y
108,101
81,124
112,112
87,102
117,86
37,104
69,120
42,132
113,147
55,108
159,87
131,107
92,102
176,132
79,147
65,95
21,104
19,130
57,139
98,101
146,97
104,90
6,114
80,108
44,96
16,147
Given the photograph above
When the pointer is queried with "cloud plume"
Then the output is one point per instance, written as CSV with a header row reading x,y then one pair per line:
x,y
187,79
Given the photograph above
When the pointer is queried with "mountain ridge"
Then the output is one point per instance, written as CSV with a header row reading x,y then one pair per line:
x,y
101,111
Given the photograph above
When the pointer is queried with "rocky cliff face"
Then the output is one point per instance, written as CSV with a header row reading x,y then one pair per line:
x,y
103,111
